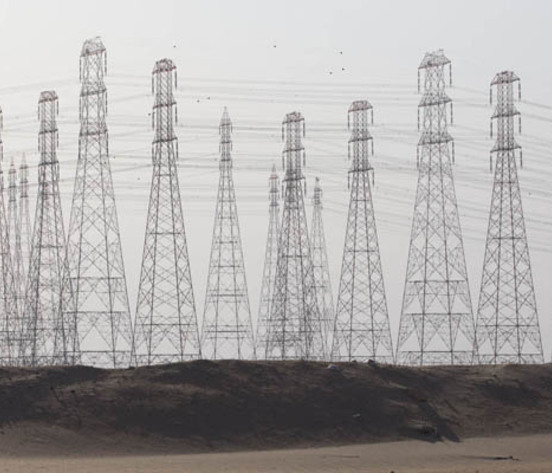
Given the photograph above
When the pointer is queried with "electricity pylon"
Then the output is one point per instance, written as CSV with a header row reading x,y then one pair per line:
x,y
270,261
507,320
166,323
295,326
361,330
227,327
14,237
436,324
322,280
10,324
94,295
24,222
44,329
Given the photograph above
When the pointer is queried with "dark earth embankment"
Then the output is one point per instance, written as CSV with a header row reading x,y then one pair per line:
x,y
207,405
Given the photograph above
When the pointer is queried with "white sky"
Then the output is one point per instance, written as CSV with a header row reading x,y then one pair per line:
x,y
226,55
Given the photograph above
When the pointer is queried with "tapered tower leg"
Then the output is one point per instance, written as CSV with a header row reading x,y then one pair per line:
x,y
166,322
322,280
295,325
94,296
361,330
507,320
44,331
436,324
227,325
270,261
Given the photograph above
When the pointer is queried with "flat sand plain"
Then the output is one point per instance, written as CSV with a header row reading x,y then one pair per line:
x,y
526,454
231,416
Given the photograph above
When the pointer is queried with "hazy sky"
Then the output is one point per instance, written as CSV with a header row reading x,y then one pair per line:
x,y
263,60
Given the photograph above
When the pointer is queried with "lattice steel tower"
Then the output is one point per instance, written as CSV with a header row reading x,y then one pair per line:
x,y
10,324
14,236
507,321
362,328
270,260
166,321
436,324
94,295
24,220
227,327
42,309
322,280
295,325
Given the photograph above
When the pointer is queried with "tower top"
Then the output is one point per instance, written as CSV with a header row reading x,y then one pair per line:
x,y
293,117
504,77
92,46
317,195
164,65
360,105
48,96
434,59
225,119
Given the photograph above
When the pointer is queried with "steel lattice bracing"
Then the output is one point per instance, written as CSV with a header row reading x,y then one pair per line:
x,y
436,324
227,327
94,296
10,326
24,222
166,322
14,237
42,310
507,321
270,260
294,328
19,229
361,330
322,281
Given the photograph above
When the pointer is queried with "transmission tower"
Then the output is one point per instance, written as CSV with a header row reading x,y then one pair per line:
x,y
19,229
24,222
322,281
362,330
94,294
270,261
14,236
295,325
227,327
507,321
44,329
436,324
10,324
166,322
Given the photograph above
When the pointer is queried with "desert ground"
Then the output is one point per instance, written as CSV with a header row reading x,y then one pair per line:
x,y
527,454
231,416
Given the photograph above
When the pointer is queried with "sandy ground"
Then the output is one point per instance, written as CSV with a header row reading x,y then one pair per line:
x,y
186,417
527,454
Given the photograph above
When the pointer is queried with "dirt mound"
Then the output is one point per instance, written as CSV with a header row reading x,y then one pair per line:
x,y
206,405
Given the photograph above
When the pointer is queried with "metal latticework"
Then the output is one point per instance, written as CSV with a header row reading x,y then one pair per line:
x,y
43,324
166,321
94,295
361,330
14,237
24,221
19,229
270,260
294,328
10,326
507,321
436,324
322,280
227,327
